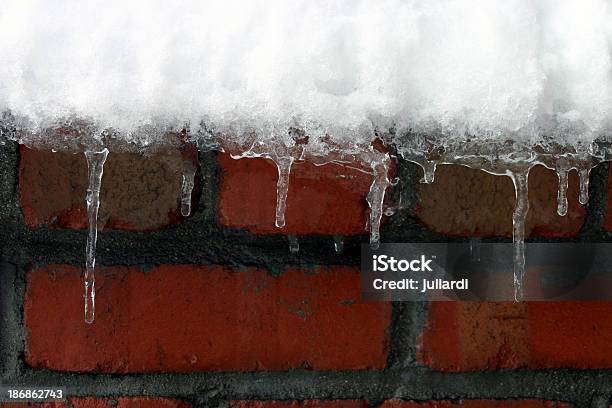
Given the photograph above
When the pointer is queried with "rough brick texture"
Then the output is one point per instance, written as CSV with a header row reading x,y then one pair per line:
x,y
138,193
329,199
123,402
470,336
190,318
464,201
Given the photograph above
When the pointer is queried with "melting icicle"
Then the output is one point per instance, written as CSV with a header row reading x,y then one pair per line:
x,y
429,171
338,244
283,165
375,200
95,166
294,244
518,229
562,170
583,174
186,189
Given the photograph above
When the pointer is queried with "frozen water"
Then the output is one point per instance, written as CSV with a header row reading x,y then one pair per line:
x,y
376,196
518,230
583,175
186,190
95,164
495,85
282,187
562,170
429,172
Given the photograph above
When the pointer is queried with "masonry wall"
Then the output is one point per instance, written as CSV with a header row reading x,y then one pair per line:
x,y
214,310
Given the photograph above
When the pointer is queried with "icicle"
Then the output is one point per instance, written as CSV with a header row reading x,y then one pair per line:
x,y
375,200
186,189
283,165
95,166
518,229
338,244
562,170
429,172
294,244
583,174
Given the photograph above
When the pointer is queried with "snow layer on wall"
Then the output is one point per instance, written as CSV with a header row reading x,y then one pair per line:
x,y
506,69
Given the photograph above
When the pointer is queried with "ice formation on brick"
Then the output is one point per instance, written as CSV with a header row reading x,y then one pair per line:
x,y
518,229
499,86
95,164
186,190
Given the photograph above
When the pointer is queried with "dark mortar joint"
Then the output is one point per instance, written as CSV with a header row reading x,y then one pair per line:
x,y
407,321
577,387
12,336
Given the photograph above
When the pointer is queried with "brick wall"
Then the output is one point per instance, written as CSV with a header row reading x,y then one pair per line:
x,y
214,310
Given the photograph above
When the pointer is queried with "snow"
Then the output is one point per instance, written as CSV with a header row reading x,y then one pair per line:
x,y
503,69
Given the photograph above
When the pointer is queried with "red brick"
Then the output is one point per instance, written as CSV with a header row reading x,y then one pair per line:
x,y
471,336
474,404
138,193
464,201
308,403
192,318
329,199
123,402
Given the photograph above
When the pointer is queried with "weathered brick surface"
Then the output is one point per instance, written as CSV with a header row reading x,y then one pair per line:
x,y
472,336
464,201
138,193
189,318
185,318
474,404
329,199
123,402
